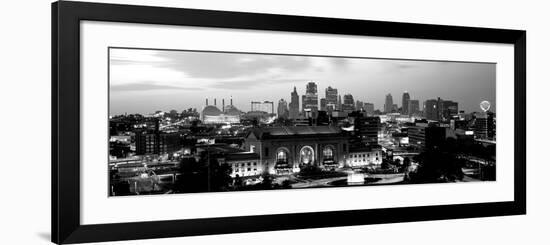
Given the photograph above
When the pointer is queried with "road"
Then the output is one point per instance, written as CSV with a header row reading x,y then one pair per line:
x,y
317,182
385,179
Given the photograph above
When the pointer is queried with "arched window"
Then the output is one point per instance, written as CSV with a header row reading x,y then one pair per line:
x,y
282,157
328,153
307,155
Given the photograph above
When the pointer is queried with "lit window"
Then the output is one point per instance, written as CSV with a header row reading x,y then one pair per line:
x,y
328,153
282,157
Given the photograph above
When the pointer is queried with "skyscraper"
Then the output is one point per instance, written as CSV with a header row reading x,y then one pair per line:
x,y
359,105
349,104
405,103
282,109
331,95
310,99
414,107
389,104
366,128
369,108
430,110
323,102
294,106
491,125
481,126
447,109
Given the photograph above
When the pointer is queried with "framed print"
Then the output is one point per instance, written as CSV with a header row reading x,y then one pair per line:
x,y
176,122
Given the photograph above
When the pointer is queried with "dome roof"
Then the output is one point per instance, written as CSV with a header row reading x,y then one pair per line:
x,y
211,110
231,110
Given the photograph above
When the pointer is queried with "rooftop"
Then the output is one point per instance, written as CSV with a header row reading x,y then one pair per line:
x,y
239,156
295,131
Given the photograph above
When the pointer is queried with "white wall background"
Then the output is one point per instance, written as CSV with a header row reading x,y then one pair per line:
x,y
25,121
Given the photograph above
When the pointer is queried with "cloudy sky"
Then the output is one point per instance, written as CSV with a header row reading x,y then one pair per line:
x,y
143,81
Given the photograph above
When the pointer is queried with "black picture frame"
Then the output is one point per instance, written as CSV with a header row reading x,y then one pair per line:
x,y
66,17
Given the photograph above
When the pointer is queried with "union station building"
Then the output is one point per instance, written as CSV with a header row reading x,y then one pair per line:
x,y
282,150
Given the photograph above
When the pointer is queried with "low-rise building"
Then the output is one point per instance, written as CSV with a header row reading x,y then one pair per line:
x,y
244,164
363,156
284,150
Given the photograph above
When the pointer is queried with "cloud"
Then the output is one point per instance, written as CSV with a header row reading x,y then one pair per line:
x,y
403,66
340,63
144,86
246,84
229,65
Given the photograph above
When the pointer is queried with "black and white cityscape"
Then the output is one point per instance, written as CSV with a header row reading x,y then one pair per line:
x,y
195,121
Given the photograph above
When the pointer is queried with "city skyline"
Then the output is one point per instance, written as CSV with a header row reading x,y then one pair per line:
x,y
319,137
143,81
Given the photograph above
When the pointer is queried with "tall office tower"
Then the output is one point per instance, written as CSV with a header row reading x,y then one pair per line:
x,y
481,126
349,104
369,108
294,106
491,125
310,99
405,103
388,106
430,110
282,109
414,107
447,110
331,95
359,105
339,104
323,102
366,128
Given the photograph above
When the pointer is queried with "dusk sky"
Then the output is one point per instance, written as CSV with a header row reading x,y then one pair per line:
x,y
144,81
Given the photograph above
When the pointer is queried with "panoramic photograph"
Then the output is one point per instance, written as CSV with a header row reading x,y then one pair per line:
x,y
185,121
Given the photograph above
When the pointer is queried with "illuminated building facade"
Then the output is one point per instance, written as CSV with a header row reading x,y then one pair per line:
x,y
284,149
244,164
211,114
364,156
